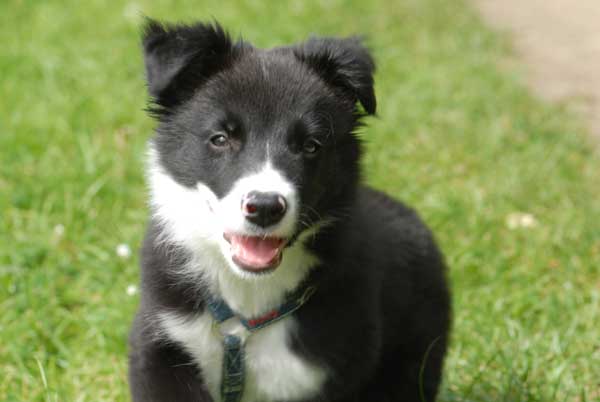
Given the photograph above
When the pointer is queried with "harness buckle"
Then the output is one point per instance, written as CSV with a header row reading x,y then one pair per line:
x,y
233,326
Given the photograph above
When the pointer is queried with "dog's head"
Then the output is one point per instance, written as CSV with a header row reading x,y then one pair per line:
x,y
253,147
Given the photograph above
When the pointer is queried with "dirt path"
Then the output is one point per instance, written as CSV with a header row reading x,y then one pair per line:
x,y
559,40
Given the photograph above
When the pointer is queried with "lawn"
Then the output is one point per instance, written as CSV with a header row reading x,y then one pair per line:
x,y
511,187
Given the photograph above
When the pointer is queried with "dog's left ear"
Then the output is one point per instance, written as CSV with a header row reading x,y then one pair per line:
x,y
343,63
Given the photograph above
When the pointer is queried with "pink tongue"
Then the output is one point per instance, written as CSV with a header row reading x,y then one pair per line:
x,y
256,252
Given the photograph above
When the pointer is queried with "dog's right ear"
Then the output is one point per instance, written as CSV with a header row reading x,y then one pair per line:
x,y
179,58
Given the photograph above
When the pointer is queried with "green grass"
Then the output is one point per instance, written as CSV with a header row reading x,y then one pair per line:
x,y
456,137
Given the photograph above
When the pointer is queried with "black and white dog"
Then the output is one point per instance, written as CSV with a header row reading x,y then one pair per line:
x,y
255,196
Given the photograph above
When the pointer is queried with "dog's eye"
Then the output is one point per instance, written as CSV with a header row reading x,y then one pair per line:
x,y
311,146
219,140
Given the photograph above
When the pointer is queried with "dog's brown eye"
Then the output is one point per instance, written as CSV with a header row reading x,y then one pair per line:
x,y
311,146
219,140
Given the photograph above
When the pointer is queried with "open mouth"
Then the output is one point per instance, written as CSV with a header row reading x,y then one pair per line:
x,y
256,254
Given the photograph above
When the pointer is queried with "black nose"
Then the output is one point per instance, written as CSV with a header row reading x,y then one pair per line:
x,y
263,209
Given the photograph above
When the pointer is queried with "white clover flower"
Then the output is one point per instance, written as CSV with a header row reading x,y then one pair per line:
x,y
59,230
123,251
517,220
528,221
131,290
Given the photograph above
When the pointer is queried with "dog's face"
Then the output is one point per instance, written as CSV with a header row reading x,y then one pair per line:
x,y
253,147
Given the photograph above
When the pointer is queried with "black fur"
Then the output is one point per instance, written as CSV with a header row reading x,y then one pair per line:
x,y
380,318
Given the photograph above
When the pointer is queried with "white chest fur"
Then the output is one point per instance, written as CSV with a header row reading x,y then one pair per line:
x,y
273,370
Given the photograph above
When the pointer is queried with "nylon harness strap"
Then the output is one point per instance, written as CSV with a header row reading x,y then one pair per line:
x,y
235,335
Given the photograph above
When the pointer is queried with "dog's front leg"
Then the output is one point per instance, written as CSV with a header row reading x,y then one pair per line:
x,y
163,373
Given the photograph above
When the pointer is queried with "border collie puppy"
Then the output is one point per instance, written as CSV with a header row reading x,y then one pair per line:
x,y
269,273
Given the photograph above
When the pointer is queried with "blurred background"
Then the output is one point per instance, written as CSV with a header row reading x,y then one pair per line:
x,y
509,184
